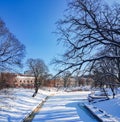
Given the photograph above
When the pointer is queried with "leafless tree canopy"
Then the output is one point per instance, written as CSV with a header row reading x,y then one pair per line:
x,y
12,50
88,27
38,68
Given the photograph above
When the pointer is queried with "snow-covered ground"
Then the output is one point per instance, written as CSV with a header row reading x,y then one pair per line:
x,y
65,107
15,104
111,106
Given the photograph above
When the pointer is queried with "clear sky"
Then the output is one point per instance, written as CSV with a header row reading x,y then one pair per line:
x,y
32,22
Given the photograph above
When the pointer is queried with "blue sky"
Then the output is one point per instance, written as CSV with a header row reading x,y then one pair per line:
x,y
32,22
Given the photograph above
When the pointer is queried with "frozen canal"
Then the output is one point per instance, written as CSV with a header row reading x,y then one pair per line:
x,y
64,107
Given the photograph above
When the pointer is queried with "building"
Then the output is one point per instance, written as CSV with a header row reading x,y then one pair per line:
x,y
7,79
27,81
24,81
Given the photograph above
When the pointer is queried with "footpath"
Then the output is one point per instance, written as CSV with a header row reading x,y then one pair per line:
x,y
64,107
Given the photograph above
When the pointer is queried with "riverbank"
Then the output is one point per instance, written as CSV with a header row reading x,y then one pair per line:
x,y
111,106
16,104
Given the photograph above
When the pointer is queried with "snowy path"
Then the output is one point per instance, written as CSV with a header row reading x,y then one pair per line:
x,y
64,107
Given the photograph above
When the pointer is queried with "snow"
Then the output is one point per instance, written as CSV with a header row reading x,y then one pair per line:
x,y
16,104
64,107
111,106
100,114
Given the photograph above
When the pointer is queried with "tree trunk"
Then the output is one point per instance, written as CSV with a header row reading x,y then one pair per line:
x,y
112,89
36,88
105,93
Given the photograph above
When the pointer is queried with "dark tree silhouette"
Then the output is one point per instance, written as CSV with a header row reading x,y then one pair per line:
x,y
39,70
12,51
88,26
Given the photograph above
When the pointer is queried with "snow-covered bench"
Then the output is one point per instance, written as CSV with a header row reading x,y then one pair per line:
x,y
97,97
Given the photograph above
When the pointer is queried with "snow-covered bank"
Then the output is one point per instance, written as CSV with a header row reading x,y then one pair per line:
x,y
15,104
105,109
100,114
111,106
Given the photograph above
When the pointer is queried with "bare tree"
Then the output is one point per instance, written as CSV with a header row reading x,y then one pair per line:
x,y
38,68
107,66
66,78
88,26
105,75
12,50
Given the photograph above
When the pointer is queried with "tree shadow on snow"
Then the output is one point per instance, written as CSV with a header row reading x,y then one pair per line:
x,y
82,112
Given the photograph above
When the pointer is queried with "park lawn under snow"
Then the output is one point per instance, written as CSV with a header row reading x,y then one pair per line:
x,y
15,104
